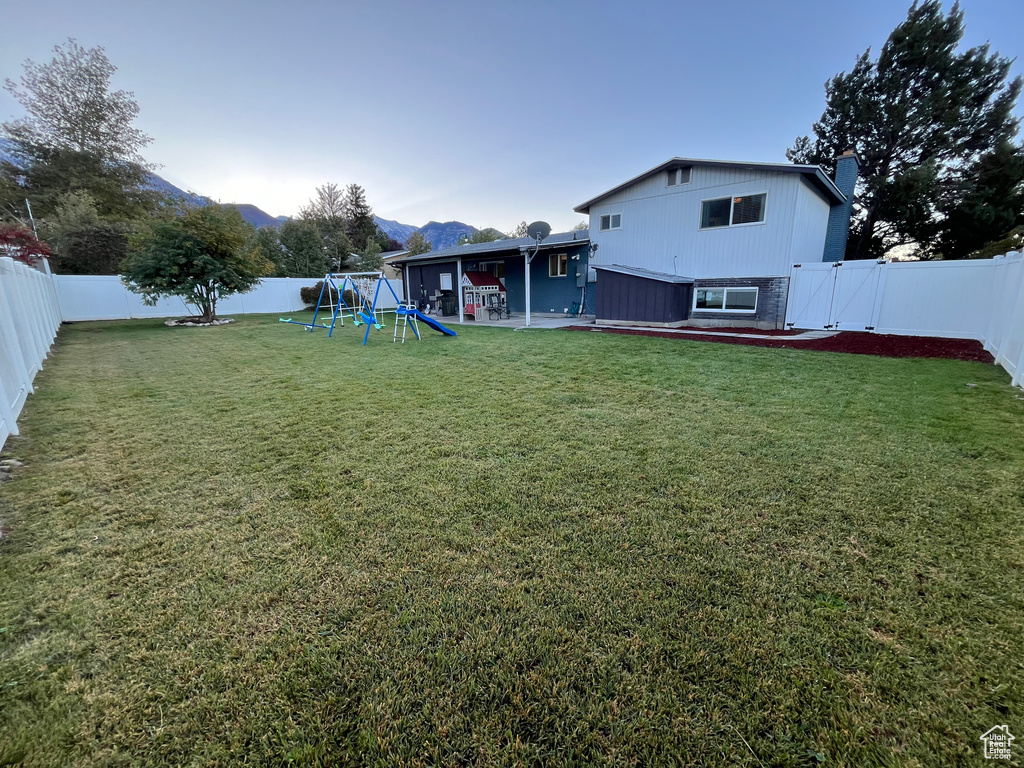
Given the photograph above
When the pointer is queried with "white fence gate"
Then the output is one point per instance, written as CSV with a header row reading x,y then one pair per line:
x,y
841,295
29,318
979,299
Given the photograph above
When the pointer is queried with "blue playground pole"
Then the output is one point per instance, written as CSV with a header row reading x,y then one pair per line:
x,y
341,301
320,298
372,321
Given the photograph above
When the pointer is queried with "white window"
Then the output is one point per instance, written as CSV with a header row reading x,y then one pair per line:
x,y
677,176
611,221
446,281
725,299
558,265
732,211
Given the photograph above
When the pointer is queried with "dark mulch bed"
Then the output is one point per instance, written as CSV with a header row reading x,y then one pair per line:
x,y
880,345
758,331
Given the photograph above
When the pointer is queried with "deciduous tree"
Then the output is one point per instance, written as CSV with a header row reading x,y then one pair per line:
x,y
76,135
369,259
202,256
70,106
519,231
488,235
417,244
303,253
19,243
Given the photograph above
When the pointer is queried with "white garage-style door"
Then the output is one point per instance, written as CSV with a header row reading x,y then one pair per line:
x,y
841,295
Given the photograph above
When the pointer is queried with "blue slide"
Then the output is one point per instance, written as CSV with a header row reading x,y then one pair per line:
x,y
431,322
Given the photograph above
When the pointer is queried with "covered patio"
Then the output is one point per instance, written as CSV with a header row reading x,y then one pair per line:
x,y
534,284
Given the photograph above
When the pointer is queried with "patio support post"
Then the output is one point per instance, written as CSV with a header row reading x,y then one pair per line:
x,y
458,279
408,288
526,261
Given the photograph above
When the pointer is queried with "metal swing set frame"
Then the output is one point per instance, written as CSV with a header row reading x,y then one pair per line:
x,y
364,310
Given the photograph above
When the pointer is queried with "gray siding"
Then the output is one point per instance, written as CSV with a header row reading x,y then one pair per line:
x,y
810,226
661,225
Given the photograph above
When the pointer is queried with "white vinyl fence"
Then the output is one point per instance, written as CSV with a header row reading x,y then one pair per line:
x,y
33,304
104,297
979,299
29,318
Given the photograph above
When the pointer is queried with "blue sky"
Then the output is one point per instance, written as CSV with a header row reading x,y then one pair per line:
x,y
489,113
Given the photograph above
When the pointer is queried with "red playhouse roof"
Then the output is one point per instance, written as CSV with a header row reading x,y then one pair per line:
x,y
483,280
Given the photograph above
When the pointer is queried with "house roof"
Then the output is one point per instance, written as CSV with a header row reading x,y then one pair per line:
x,y
392,254
813,174
483,280
645,273
512,246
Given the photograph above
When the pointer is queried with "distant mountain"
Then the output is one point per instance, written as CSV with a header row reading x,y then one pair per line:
x,y
445,235
394,229
255,216
438,234
164,187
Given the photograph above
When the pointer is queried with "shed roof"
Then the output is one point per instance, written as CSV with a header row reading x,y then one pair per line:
x,y
645,273
813,174
483,280
510,247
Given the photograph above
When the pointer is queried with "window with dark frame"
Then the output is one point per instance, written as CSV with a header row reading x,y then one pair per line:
x,y
732,299
732,211
715,213
748,210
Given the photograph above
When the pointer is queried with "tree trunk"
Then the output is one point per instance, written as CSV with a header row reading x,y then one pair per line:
x,y
867,230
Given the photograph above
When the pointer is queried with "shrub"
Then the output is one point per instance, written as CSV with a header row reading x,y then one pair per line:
x,y
310,294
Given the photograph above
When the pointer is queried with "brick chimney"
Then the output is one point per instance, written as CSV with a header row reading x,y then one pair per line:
x,y
839,216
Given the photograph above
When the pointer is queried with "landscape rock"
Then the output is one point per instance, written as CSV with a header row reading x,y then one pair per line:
x,y
186,322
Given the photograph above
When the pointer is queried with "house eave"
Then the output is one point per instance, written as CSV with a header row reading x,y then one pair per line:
x,y
825,186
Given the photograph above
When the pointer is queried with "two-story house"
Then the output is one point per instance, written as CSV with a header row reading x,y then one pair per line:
x,y
711,243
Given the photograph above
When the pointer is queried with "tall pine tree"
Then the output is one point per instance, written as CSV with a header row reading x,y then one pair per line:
x,y
920,118
359,217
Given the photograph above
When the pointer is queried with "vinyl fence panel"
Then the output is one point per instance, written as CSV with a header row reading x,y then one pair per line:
x,y
980,299
105,297
29,320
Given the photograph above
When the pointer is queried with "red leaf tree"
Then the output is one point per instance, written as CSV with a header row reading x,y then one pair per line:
x,y
19,242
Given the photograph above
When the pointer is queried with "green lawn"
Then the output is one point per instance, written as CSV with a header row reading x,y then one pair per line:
x,y
254,545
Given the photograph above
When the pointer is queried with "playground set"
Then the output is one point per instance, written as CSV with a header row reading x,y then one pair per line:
x,y
364,310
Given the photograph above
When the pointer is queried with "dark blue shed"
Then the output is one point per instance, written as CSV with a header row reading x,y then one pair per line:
x,y
634,295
